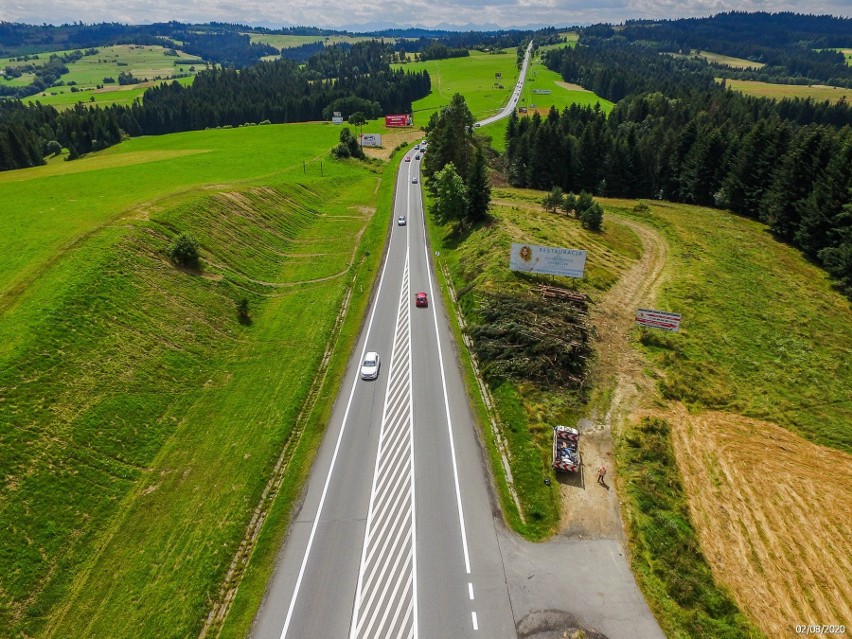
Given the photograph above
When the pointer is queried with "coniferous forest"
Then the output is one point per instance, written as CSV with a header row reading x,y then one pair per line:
x,y
678,135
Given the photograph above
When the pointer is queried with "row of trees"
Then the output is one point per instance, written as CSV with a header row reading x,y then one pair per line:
x,y
456,167
788,164
279,91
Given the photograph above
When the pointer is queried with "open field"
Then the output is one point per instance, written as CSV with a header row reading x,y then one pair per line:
x,y
721,60
788,555
473,77
140,419
763,353
818,92
88,74
280,41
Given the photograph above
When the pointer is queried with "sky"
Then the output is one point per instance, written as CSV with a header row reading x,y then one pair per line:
x,y
423,13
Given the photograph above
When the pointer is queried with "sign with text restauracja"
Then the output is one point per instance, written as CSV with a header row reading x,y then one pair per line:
x,y
547,260
400,119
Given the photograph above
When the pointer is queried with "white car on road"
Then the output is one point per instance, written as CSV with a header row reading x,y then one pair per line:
x,y
370,367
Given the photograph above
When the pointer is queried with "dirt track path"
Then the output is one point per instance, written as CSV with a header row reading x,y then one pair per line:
x,y
580,581
589,509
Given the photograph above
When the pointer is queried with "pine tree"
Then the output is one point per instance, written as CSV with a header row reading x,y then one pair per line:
x,y
478,189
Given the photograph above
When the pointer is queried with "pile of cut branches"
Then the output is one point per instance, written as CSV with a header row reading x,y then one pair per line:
x,y
530,339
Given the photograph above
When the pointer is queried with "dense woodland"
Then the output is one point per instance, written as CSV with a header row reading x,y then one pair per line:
x,y
677,135
277,92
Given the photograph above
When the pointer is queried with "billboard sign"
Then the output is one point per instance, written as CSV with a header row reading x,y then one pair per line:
x,y
337,118
658,319
371,139
403,119
546,260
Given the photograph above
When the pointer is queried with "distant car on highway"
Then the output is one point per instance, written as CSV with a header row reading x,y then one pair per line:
x,y
414,180
370,367
417,157
421,300
401,220
408,158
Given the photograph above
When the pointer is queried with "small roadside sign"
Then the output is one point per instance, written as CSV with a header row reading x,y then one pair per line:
x,y
658,319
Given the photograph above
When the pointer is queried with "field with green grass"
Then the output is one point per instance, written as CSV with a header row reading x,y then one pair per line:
x,y
764,334
280,41
473,77
141,419
562,94
88,73
818,92
477,265
721,60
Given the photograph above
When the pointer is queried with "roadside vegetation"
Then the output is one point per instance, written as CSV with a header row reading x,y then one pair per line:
x,y
476,265
142,415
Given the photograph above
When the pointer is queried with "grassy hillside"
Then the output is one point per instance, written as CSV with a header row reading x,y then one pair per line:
x,y
478,265
764,333
87,74
141,420
473,77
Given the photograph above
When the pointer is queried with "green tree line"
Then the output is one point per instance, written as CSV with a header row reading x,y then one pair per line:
x,y
788,163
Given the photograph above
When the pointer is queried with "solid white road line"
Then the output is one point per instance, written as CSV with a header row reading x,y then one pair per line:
x,y
333,459
447,409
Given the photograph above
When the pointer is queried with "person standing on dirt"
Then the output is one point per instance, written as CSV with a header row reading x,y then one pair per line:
x,y
601,474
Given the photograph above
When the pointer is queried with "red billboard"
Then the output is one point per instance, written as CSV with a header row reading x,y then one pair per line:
x,y
403,119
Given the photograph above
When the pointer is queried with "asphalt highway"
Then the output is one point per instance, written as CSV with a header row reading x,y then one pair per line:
x,y
396,537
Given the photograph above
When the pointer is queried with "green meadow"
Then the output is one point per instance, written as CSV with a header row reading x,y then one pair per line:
x,y
474,77
140,419
88,73
720,59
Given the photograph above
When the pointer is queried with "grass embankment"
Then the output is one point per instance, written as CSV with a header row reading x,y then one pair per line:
x,y
477,265
764,344
88,73
720,59
141,420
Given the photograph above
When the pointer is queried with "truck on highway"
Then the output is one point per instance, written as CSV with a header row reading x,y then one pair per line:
x,y
566,449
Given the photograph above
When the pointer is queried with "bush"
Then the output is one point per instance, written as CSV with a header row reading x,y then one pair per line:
x,y
243,311
184,251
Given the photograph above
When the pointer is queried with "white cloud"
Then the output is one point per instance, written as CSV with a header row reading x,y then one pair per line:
x,y
330,13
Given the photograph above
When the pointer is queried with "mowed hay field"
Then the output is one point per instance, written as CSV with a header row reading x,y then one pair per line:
x,y
772,511
140,419
757,388
818,92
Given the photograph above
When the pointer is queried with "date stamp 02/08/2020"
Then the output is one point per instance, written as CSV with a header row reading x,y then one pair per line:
x,y
820,629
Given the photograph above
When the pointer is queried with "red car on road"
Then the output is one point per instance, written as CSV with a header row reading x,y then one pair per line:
x,y
420,299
